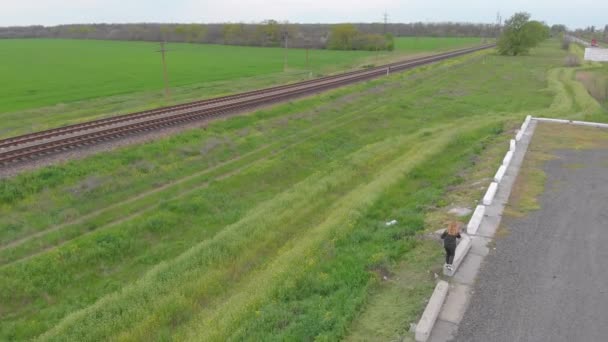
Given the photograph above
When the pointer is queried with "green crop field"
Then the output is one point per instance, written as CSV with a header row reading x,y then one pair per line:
x,y
49,83
413,44
271,226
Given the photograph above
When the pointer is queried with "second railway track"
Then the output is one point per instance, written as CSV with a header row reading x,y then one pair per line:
x,y
29,146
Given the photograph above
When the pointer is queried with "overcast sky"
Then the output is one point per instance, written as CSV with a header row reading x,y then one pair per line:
x,y
580,13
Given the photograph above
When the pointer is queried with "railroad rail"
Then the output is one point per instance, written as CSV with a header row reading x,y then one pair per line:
x,y
29,146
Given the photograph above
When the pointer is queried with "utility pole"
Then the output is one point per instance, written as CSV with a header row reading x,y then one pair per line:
x,y
308,47
285,56
307,58
165,76
498,24
385,21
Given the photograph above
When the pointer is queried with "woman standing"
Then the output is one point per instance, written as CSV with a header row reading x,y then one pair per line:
x,y
449,237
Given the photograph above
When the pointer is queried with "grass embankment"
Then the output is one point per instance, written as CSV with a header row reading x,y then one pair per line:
x,y
595,80
80,80
269,225
574,100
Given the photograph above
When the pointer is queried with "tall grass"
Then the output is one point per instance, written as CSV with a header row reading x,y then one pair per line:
x,y
198,269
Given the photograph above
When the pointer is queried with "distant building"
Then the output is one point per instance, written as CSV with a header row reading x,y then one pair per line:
x,y
596,54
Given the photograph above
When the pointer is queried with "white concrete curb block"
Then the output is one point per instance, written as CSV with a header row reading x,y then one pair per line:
x,y
507,160
489,197
519,135
591,124
552,120
461,251
500,173
475,220
512,145
574,122
527,121
524,126
427,321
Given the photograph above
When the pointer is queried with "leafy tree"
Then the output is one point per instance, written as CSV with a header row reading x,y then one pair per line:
x,y
288,31
232,33
271,31
81,30
342,36
520,34
347,37
390,42
190,32
558,29
536,32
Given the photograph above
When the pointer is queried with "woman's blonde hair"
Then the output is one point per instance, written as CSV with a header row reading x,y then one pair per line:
x,y
453,228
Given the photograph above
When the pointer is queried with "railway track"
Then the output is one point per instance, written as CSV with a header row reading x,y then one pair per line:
x,y
30,146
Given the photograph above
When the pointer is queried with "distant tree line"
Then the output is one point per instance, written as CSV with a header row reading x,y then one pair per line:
x,y
348,37
592,32
268,33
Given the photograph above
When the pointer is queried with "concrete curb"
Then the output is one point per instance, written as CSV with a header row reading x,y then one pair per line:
x,y
552,120
431,312
472,249
507,159
489,196
591,124
574,122
500,173
461,251
481,228
475,220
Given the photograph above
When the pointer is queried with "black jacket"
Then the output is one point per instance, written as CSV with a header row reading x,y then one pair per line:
x,y
449,240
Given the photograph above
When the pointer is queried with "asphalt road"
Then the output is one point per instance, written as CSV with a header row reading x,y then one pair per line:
x,y
547,279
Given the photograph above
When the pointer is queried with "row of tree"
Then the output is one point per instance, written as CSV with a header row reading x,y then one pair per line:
x,y
347,37
267,33
593,32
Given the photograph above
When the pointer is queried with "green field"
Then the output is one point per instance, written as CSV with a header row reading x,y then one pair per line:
x,y
49,83
421,44
271,226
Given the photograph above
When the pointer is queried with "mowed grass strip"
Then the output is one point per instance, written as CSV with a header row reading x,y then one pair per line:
x,y
41,291
244,305
106,259
199,272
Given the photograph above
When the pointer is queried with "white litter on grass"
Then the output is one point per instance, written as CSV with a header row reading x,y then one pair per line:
x,y
460,212
390,223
